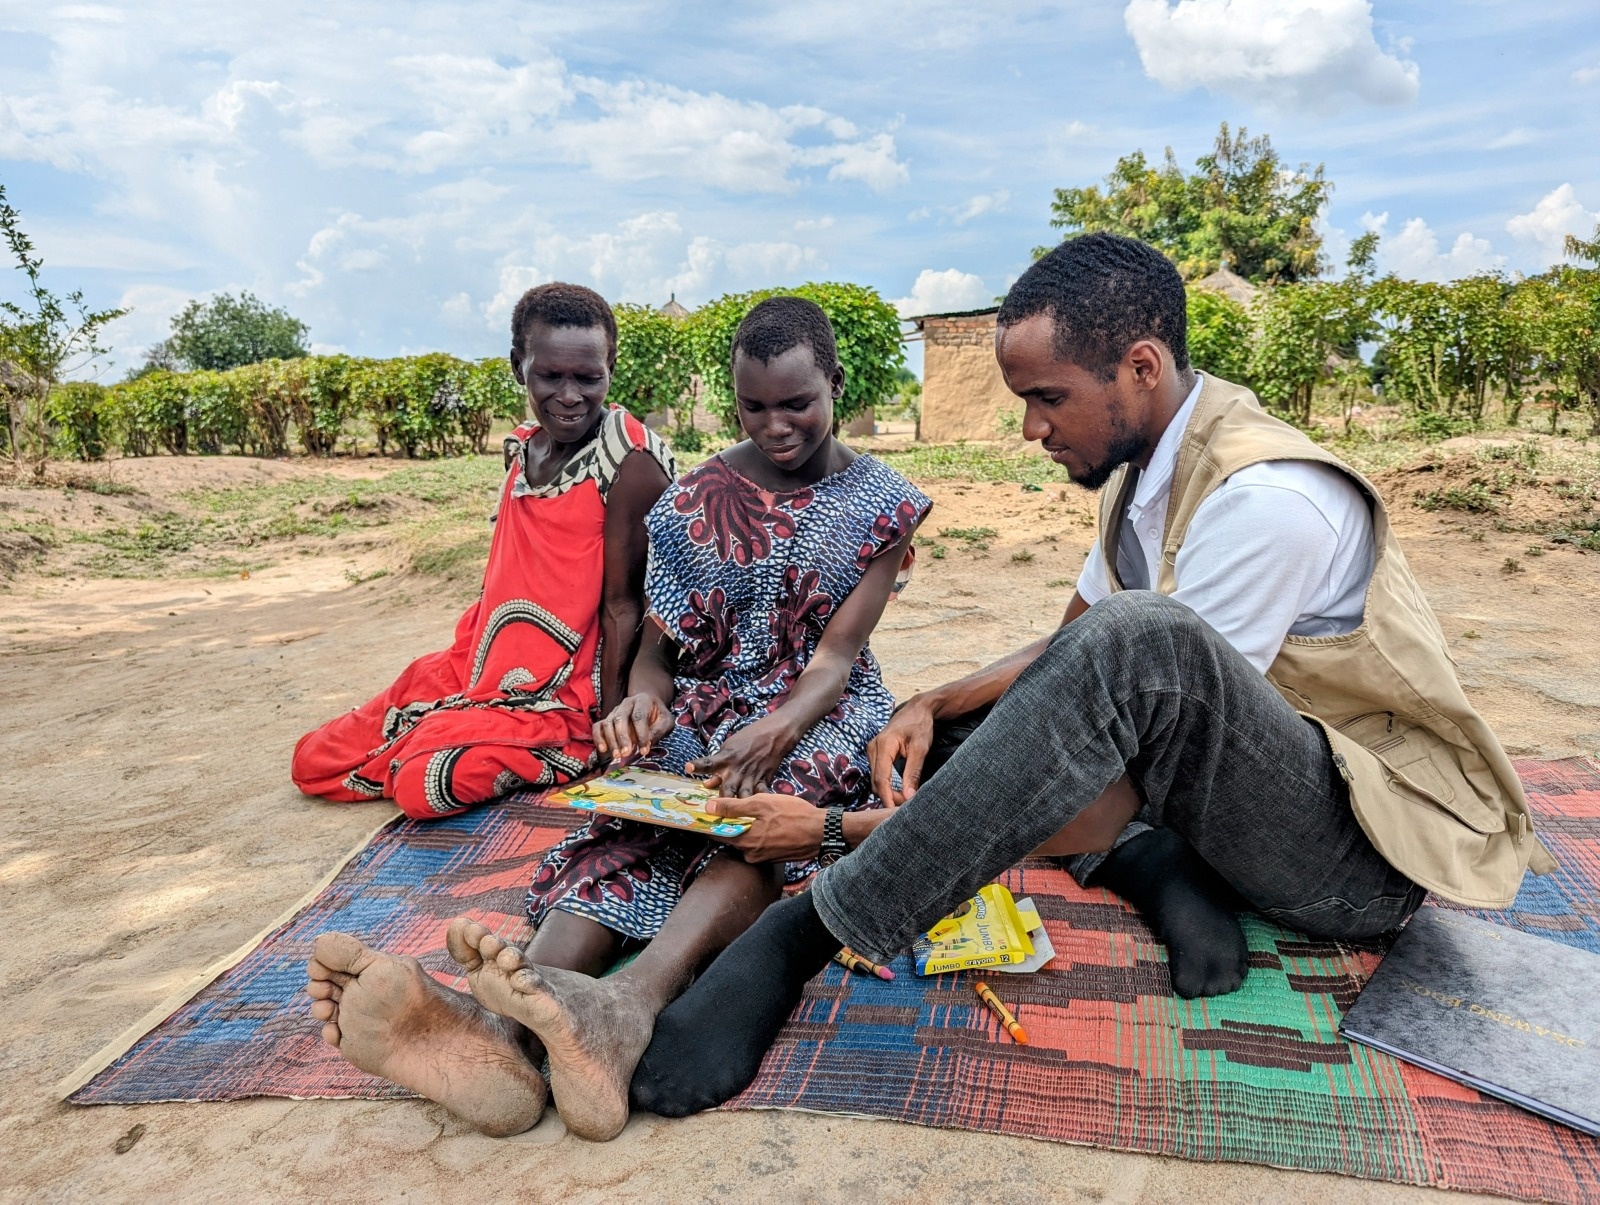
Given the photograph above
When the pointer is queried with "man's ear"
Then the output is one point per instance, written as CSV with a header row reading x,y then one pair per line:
x,y
1145,361
516,368
836,381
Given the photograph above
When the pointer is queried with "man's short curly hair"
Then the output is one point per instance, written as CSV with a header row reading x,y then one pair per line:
x,y
778,324
1105,293
560,304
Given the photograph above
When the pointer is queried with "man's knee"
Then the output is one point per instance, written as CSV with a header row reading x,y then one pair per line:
x,y
1138,619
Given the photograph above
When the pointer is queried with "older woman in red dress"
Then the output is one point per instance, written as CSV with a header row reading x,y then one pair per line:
x,y
543,652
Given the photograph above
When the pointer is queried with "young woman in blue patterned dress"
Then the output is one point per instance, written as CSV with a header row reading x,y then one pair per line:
x,y
769,566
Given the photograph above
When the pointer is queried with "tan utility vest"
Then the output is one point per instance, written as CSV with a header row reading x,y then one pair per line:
x,y
1429,783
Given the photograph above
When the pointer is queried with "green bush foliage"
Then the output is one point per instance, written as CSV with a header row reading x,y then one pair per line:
x,y
1219,335
866,327
76,412
654,371
431,405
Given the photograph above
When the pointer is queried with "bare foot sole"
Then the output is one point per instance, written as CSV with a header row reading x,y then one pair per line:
x,y
391,1018
594,1030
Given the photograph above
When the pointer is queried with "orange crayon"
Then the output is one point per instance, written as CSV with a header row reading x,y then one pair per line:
x,y
1018,1034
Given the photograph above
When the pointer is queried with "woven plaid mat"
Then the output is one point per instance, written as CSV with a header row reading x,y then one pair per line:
x,y
1115,1060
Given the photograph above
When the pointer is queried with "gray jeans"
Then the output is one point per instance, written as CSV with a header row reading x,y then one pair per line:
x,y
1139,685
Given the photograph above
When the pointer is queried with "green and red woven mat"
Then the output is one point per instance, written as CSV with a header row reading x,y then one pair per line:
x,y
1114,1060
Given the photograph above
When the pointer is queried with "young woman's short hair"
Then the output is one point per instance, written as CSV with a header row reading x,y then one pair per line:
x,y
1105,293
778,324
561,304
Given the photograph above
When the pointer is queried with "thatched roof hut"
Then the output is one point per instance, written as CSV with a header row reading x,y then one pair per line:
x,y
673,309
1230,284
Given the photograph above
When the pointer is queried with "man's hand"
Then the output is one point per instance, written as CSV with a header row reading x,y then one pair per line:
x,y
635,725
786,829
908,735
747,760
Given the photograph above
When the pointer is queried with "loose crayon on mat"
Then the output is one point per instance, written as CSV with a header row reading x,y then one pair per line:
x,y
852,961
1018,1034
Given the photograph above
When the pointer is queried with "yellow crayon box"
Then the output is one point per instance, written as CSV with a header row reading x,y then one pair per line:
x,y
990,930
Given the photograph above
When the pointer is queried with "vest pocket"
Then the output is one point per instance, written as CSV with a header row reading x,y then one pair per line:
x,y
1406,752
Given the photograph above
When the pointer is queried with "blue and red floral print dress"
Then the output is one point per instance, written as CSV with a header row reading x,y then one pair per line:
x,y
745,579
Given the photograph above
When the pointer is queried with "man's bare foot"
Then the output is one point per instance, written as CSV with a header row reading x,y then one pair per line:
x,y
391,1018
594,1030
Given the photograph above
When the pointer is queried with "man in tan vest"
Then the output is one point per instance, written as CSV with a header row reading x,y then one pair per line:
x,y
1248,702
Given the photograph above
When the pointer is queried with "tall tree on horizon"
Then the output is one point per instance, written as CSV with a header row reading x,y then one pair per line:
x,y
1240,207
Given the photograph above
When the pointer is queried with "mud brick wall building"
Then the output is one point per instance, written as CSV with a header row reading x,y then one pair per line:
x,y
961,384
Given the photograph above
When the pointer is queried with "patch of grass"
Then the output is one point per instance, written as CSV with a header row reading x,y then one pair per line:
x,y
937,552
1512,565
976,539
1057,583
1022,556
453,560
1583,535
973,462
1475,497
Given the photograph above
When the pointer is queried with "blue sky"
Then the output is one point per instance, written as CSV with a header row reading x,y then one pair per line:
x,y
396,174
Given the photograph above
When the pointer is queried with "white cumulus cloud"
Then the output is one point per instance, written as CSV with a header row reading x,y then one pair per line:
x,y
976,207
943,292
1414,251
1558,214
1292,54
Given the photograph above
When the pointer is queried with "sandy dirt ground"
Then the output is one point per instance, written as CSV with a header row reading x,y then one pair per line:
x,y
149,828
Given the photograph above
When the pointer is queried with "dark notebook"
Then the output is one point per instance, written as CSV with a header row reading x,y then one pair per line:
x,y
1502,1011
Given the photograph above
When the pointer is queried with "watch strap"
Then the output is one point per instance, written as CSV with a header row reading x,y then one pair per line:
x,y
833,846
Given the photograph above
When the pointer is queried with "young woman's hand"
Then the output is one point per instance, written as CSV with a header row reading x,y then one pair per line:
x,y
907,737
636,724
747,760
786,829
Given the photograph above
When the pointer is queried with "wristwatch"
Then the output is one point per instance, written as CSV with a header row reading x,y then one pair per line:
x,y
833,846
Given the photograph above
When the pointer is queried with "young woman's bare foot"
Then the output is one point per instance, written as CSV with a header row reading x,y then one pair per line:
x,y
391,1018
594,1030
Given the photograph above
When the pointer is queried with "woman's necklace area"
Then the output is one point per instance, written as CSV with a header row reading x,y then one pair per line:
x,y
545,459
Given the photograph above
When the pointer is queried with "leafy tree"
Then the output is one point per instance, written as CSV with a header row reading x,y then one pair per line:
x,y
654,371
1568,340
1305,334
43,341
1240,207
227,331
865,326
1587,249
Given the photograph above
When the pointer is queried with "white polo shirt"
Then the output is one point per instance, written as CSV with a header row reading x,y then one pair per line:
x,y
1281,548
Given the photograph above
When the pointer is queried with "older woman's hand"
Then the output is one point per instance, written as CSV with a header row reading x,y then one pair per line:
x,y
633,727
786,828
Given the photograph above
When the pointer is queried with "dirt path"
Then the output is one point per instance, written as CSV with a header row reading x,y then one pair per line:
x,y
149,828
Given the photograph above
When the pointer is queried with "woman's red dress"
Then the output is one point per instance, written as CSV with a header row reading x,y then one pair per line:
x,y
512,702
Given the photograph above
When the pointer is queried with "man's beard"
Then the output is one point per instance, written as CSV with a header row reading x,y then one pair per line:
x,y
1125,448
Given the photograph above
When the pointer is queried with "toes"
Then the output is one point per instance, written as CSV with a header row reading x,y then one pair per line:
x,y
462,940
489,946
323,989
510,959
324,1010
339,954
330,1034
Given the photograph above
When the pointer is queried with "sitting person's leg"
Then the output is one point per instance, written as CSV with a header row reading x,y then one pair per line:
x,y
1186,903
1138,685
594,1030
